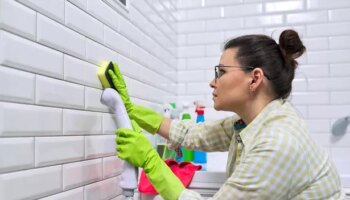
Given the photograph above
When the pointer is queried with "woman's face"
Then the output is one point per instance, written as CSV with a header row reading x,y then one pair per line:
x,y
231,89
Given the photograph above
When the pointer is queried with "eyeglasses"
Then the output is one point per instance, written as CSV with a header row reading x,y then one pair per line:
x,y
219,73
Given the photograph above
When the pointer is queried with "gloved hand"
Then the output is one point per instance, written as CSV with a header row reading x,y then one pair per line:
x,y
135,148
147,118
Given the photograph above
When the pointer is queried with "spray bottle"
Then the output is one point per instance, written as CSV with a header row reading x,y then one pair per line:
x,y
112,100
200,157
187,154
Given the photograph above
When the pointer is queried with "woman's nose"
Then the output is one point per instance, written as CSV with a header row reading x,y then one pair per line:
x,y
212,83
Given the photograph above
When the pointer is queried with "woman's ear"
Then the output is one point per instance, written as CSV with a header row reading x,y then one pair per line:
x,y
257,76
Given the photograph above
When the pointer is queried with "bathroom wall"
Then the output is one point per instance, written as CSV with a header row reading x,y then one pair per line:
x,y
321,89
56,139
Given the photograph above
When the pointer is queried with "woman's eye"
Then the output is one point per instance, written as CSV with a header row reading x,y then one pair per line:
x,y
221,71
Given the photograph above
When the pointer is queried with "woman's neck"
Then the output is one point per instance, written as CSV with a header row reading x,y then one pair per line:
x,y
252,108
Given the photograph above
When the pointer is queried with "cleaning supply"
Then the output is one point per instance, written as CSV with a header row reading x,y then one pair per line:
x,y
148,119
200,157
162,148
184,171
112,100
134,147
103,75
187,154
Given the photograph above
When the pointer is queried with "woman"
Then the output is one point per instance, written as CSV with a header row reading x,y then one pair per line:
x,y
271,155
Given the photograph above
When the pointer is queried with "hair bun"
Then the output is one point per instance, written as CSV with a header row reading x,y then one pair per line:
x,y
291,46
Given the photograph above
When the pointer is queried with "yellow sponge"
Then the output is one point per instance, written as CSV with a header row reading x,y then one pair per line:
x,y
103,75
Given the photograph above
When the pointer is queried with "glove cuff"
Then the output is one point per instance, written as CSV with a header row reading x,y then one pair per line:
x,y
146,118
162,178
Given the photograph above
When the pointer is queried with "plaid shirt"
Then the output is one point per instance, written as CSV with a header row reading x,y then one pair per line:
x,y
277,157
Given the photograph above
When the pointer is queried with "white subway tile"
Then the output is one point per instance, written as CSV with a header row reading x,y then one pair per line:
x,y
93,100
76,194
108,124
12,16
27,120
306,98
16,85
213,50
181,39
105,189
60,37
99,146
58,150
339,42
191,51
232,34
31,184
330,56
205,38
181,89
96,53
130,31
329,84
81,72
340,97
112,166
202,63
312,71
52,9
243,10
24,54
81,173
329,29
284,6
224,24
140,55
120,197
318,125
204,13
83,23
328,111
269,20
341,159
339,15
198,89
315,43
299,85
117,42
325,4
190,26
80,3
146,92
221,2
142,73
104,12
191,76
341,69
77,122
181,4
16,154
58,93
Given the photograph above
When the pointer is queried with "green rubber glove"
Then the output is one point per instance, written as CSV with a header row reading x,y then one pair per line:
x,y
147,118
135,148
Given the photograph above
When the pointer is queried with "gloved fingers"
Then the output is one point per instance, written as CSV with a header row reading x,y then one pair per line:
x,y
116,81
122,141
123,132
118,74
135,126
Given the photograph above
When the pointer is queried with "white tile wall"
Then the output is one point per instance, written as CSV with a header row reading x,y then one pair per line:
x,y
321,87
51,120
52,123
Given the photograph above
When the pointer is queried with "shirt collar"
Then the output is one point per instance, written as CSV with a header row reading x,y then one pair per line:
x,y
247,132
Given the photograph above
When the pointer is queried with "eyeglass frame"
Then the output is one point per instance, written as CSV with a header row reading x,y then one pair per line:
x,y
217,71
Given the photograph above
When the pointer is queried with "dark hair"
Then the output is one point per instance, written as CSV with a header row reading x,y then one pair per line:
x,y
277,61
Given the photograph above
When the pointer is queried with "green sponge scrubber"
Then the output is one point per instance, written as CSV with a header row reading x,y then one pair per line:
x,y
103,75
